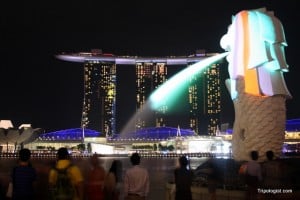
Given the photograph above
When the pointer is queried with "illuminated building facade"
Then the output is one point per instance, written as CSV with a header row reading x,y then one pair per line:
x,y
99,96
99,106
149,76
159,77
204,98
212,98
143,89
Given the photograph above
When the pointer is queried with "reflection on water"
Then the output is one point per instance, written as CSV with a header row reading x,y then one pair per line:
x,y
160,171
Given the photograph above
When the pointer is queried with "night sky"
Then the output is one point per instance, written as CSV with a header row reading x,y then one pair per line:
x,y
37,88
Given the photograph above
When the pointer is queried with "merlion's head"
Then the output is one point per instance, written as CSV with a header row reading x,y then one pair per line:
x,y
256,41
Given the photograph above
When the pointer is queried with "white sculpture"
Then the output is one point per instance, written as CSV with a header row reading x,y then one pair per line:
x,y
255,41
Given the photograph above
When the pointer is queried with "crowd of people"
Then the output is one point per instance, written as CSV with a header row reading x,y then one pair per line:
x,y
99,184
256,175
265,175
134,184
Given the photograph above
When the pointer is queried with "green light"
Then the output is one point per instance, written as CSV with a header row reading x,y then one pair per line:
x,y
167,94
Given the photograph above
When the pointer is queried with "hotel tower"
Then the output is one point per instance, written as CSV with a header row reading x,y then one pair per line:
x,y
149,76
99,96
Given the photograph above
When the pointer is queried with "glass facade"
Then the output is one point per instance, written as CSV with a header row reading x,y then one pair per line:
x,y
143,90
99,97
149,76
204,98
213,98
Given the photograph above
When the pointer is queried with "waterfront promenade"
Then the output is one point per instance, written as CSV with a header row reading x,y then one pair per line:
x,y
161,173
160,170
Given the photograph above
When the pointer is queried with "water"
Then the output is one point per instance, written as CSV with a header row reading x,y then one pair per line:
x,y
160,171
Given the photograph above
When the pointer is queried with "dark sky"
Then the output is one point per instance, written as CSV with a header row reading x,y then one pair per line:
x,y
37,88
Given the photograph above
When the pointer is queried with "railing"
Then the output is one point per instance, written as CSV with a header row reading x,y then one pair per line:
x,y
42,155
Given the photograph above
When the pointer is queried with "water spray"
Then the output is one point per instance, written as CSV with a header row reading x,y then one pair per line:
x,y
168,92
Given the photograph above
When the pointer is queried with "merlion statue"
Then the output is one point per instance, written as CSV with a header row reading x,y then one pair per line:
x,y
256,62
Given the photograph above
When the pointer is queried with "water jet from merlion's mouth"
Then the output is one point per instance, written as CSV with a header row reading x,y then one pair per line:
x,y
167,94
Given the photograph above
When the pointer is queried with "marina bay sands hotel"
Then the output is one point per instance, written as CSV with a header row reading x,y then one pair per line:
x,y
200,104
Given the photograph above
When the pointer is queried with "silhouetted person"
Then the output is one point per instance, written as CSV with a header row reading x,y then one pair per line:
x,y
253,175
136,180
2,196
23,177
113,181
209,168
95,180
63,162
212,178
271,171
183,180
